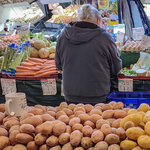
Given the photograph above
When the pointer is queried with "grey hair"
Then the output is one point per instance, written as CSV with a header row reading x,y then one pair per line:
x,y
89,13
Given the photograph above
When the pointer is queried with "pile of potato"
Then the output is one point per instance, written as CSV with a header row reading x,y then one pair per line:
x,y
77,127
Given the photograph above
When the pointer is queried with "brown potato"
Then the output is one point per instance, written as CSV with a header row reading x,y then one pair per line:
x,y
2,108
2,116
100,104
32,146
100,122
71,117
120,114
50,108
40,139
56,148
111,120
87,131
38,129
4,142
63,105
112,103
79,109
36,111
108,114
27,128
96,111
14,127
121,133
26,116
10,123
68,111
52,141
128,124
101,146
86,142
112,139
77,113
79,148
3,132
68,129
88,108
47,117
97,136
73,121
60,113
118,105
116,123
52,113
106,129
67,146
24,138
19,147
114,147
64,118
40,107
91,148
59,128
46,128
12,137
95,117
114,130
77,126
90,123
106,107
33,120
84,117
80,105
75,138
126,109
64,138
10,118
98,107
71,106
44,147
55,122
8,148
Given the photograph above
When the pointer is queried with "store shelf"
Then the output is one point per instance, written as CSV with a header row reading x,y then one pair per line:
x,y
16,4
54,1
34,22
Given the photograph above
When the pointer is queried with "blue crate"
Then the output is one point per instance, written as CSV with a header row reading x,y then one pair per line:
x,y
130,99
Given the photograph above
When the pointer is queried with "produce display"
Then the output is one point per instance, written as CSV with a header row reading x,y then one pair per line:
x,y
78,127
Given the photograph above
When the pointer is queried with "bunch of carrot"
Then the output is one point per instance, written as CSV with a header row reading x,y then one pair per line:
x,y
35,67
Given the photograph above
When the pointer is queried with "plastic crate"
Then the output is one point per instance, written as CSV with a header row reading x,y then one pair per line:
x,y
130,99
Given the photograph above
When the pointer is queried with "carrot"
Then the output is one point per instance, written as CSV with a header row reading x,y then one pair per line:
x,y
22,70
48,67
36,60
45,74
42,71
28,64
25,74
34,68
23,67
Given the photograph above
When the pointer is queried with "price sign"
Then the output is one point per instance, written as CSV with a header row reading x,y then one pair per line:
x,y
125,85
62,93
145,41
138,33
8,86
120,37
23,30
49,86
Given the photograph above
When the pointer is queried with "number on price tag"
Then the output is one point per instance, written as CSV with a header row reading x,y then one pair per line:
x,y
125,85
8,86
49,86
62,93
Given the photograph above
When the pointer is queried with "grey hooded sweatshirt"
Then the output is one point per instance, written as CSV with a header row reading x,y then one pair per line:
x,y
88,58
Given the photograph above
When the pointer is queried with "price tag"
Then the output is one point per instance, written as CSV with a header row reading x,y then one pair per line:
x,y
23,30
120,37
8,86
125,85
62,93
138,33
49,86
145,41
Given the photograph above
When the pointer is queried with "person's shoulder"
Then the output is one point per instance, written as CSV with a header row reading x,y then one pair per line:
x,y
104,34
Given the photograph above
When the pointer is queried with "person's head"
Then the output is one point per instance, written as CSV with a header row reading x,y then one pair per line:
x,y
90,14
114,12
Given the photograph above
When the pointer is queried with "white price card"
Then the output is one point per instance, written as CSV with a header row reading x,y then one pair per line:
x,y
145,43
138,33
23,30
120,37
125,85
49,86
62,93
8,86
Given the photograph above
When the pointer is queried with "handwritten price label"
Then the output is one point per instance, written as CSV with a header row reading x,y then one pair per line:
x,y
125,85
138,33
120,37
23,30
62,93
49,86
145,41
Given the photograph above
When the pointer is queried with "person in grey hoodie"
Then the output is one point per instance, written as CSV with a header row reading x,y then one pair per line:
x,y
88,57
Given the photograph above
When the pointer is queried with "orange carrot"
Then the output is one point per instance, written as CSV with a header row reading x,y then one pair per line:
x,y
23,67
27,64
36,60
25,74
22,70
42,71
45,74
34,68
48,67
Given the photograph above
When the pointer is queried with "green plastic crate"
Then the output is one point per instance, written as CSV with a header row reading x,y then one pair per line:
x,y
129,58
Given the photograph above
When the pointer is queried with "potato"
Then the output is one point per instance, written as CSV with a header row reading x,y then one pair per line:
x,y
95,117
26,116
98,107
128,124
10,123
44,147
67,146
27,128
50,108
79,148
60,113
114,147
52,141
71,117
106,107
97,136
33,120
10,118
64,118
121,133
126,109
4,142
2,108
101,146
77,113
120,114
100,104
80,105
40,107
147,127
116,123
52,113
19,147
73,121
55,148
144,107
12,137
59,129
68,111
55,122
86,142
63,105
118,105
141,114
112,139
100,122
127,145
91,148
47,117
77,126
75,138
2,116
32,146
8,148
24,138
68,129
132,111
134,132
87,131
71,106
14,127
64,138
112,103
40,139
114,130
90,123
38,129
46,128
84,117
3,132
79,109
88,108
108,114
106,129
36,111
111,120
137,148
95,111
